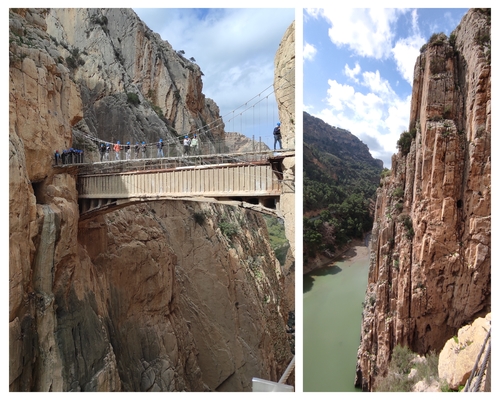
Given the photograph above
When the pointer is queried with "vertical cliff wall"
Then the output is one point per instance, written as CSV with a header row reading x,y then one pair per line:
x,y
430,267
284,87
170,296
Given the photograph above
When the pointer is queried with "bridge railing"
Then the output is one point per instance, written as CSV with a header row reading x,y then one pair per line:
x,y
232,143
138,164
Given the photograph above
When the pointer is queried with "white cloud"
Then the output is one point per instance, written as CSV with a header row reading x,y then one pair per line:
x,y
351,73
375,83
368,32
235,49
377,117
339,96
406,50
309,52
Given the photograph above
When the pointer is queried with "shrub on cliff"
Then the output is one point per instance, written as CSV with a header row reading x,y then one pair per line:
x,y
406,369
404,142
132,98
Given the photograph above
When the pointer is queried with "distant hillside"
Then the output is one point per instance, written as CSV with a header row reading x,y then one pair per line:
x,y
340,179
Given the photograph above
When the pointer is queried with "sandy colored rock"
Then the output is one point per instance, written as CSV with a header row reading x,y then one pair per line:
x,y
459,353
148,298
434,274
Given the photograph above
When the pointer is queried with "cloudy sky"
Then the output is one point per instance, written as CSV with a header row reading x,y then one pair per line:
x,y
358,68
235,50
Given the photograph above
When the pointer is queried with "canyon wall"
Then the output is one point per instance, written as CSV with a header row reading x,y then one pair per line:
x,y
166,296
430,267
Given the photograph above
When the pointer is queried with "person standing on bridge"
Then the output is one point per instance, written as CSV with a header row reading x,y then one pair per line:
x,y
136,150
277,135
108,150
117,148
127,151
143,148
194,145
57,157
159,146
186,143
102,151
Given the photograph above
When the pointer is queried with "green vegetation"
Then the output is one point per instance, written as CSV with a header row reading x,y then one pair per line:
x,y
277,238
133,98
398,192
437,39
385,173
403,360
404,142
199,217
340,180
228,229
407,222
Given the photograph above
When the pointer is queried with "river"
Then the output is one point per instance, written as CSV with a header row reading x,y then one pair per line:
x,y
333,298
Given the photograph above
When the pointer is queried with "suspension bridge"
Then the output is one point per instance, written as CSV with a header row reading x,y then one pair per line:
x,y
251,179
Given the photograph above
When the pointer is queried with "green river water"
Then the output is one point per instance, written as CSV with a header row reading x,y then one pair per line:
x,y
333,299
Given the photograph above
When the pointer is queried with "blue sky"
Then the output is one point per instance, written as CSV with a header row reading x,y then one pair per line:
x,y
235,49
358,68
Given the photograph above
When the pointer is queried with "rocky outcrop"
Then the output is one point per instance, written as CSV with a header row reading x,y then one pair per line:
x,y
430,269
136,86
460,353
170,296
239,143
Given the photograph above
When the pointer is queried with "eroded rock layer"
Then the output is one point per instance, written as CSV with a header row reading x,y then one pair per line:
x,y
430,268
167,296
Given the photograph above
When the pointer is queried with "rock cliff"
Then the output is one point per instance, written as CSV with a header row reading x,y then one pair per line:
x,y
167,296
430,269
284,88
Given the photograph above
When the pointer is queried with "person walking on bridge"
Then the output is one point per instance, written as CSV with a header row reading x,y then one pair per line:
x,y
143,148
117,148
159,146
277,135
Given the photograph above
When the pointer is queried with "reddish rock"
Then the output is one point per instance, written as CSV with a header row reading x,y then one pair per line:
x,y
438,260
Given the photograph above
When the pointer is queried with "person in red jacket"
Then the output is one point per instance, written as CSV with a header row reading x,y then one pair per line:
x,y
117,149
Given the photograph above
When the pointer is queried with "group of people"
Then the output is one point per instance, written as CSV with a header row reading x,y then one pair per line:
x,y
106,148
190,146
68,156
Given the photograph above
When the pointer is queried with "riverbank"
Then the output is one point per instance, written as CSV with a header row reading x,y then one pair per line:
x,y
356,250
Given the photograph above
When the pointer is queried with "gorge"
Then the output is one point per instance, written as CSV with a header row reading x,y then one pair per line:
x,y
160,296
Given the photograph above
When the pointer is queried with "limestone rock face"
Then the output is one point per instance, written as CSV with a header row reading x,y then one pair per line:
x,y
284,87
430,265
114,57
170,296
239,143
459,353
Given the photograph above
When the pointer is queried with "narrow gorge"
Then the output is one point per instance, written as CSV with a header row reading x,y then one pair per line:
x,y
160,296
